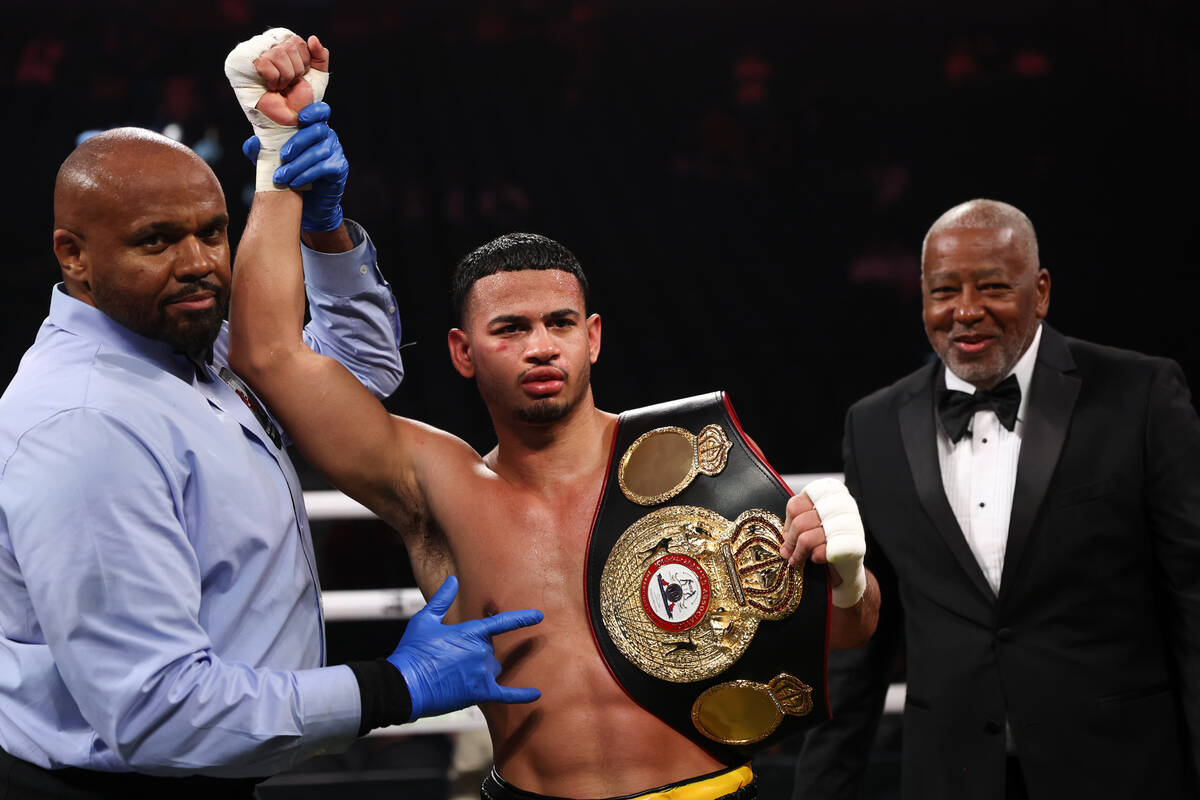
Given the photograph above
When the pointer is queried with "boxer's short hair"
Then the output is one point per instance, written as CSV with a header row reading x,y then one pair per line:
x,y
512,252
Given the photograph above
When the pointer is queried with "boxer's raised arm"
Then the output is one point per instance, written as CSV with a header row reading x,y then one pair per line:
x,y
337,424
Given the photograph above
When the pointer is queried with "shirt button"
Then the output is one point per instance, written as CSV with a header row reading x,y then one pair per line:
x,y
391,309
1004,634
362,270
981,505
984,441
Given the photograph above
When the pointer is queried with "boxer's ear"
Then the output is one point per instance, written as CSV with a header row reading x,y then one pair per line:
x,y
460,352
593,333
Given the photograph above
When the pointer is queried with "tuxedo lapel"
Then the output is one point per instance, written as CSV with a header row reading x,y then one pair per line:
x,y
919,433
1052,395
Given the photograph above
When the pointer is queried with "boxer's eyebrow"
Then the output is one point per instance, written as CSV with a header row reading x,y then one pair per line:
x,y
522,319
507,318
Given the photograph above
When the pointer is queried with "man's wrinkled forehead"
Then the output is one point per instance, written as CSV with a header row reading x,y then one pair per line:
x,y
982,248
951,240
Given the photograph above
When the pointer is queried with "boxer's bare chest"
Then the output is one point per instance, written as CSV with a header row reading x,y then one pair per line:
x,y
520,547
514,547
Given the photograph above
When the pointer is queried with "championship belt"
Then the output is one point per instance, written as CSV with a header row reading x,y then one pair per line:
x,y
694,611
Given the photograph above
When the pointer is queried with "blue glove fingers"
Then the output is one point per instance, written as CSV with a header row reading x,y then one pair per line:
x,y
315,112
507,621
302,140
332,168
513,694
250,149
443,598
321,158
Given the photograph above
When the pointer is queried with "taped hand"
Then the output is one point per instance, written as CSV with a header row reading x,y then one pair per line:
x,y
823,522
271,74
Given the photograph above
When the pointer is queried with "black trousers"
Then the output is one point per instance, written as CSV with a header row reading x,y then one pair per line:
x,y
20,780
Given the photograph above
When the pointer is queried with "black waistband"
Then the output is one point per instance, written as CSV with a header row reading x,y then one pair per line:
x,y
496,788
21,780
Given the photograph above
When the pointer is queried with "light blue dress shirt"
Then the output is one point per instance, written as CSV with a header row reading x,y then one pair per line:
x,y
159,604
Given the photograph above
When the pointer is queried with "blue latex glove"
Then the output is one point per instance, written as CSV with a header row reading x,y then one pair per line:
x,y
448,667
312,156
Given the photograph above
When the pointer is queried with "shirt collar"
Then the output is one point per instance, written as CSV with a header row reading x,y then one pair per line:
x,y
1023,369
77,317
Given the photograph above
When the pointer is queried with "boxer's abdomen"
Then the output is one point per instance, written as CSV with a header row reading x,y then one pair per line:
x,y
585,737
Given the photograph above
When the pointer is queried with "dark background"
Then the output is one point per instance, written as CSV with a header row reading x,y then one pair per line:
x,y
747,184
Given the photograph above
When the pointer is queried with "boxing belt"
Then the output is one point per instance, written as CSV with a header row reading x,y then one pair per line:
x,y
694,612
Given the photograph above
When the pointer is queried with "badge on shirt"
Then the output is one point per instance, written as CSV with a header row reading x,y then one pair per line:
x,y
241,390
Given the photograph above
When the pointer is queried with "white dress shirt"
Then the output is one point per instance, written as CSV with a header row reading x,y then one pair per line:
x,y
979,472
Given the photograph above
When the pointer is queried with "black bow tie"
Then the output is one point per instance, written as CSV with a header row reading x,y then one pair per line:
x,y
957,408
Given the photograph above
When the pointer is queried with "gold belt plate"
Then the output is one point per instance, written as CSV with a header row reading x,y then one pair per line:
x,y
745,712
684,589
663,462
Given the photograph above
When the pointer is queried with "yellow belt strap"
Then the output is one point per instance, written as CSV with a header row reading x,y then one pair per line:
x,y
708,789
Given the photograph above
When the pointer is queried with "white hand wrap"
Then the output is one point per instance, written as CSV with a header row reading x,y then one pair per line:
x,y
845,538
249,87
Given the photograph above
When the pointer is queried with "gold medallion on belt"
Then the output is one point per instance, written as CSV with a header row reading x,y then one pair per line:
x,y
684,589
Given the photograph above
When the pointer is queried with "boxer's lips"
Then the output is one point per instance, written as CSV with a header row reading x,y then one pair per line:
x,y
542,381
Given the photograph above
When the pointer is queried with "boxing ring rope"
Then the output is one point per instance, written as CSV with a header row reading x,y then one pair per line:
x,y
394,604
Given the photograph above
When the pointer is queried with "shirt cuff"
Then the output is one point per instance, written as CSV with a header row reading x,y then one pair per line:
x,y
330,706
343,274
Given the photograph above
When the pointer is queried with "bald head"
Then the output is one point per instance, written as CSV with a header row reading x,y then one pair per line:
x,y
102,171
983,214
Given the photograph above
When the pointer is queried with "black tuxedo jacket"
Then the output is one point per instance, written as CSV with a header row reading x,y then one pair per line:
x,y
1091,648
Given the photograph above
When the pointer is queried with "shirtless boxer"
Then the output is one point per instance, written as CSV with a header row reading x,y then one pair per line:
x,y
513,524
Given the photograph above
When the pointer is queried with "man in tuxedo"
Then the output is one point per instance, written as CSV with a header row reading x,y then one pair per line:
x,y
1033,509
